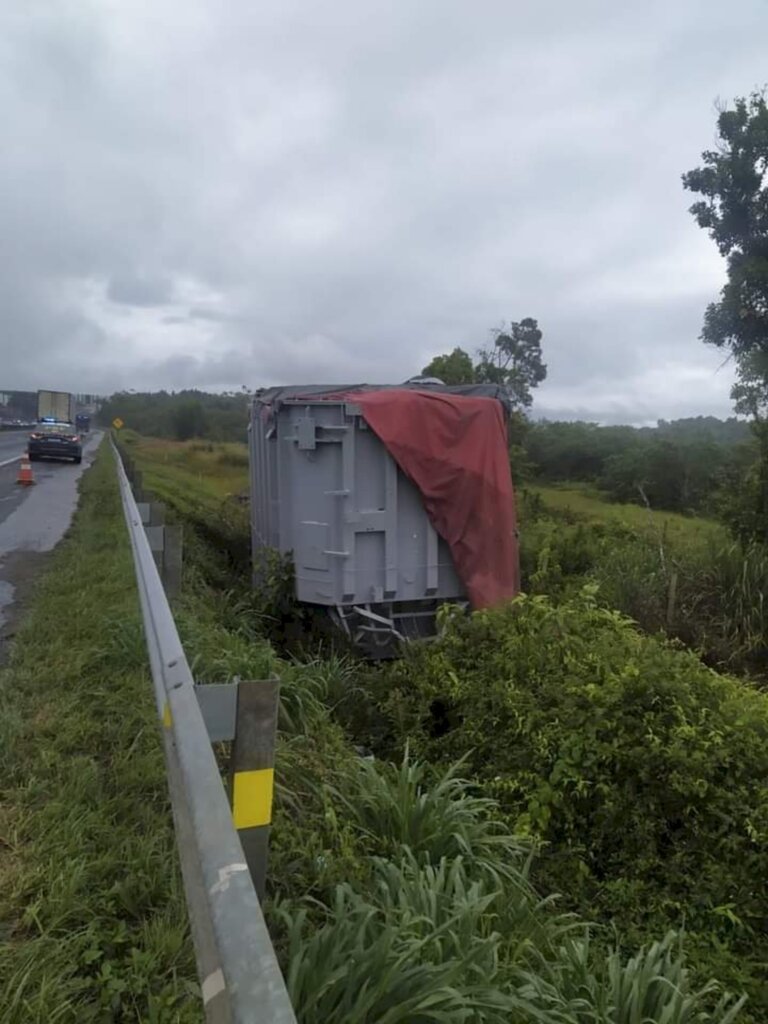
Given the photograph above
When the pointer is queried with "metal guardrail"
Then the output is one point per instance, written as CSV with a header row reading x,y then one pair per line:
x,y
239,974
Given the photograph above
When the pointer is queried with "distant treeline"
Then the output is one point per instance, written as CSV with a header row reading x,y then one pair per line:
x,y
687,465
181,415
682,465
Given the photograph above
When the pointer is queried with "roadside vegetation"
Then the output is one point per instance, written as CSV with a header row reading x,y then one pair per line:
x,y
545,816
533,771
92,917
683,577
550,814
639,772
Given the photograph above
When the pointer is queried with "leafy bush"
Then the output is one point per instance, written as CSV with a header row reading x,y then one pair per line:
x,y
431,936
643,772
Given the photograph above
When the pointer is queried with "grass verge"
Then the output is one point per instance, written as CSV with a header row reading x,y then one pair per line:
x,y
190,473
92,919
677,575
585,504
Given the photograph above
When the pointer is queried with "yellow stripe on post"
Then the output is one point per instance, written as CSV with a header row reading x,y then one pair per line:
x,y
252,772
167,715
252,798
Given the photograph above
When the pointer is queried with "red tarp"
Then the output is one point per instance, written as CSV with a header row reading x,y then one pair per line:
x,y
454,449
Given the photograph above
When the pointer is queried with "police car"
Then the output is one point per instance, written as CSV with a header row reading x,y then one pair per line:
x,y
55,440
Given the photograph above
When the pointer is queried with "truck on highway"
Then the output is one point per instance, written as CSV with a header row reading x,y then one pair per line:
x,y
83,422
56,405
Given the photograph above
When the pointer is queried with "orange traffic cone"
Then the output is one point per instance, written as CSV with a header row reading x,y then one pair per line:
x,y
25,471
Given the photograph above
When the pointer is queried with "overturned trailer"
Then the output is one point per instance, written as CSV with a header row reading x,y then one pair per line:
x,y
388,500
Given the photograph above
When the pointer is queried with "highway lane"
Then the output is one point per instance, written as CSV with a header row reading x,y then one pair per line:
x,y
12,444
33,519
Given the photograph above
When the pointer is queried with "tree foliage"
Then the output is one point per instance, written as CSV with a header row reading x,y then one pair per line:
x,y
189,420
513,361
734,210
671,476
453,368
677,465
181,415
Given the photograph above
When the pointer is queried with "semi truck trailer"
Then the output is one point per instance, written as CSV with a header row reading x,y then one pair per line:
x,y
56,405
386,501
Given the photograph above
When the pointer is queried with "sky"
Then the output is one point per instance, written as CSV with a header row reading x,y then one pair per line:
x,y
212,195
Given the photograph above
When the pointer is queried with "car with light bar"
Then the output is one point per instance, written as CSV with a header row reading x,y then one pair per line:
x,y
54,439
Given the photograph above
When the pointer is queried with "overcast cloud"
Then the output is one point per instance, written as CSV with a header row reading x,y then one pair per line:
x,y
211,195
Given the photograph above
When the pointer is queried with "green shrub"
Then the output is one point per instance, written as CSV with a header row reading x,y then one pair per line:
x,y
643,772
430,935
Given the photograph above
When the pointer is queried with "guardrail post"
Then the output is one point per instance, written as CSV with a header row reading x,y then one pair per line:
x,y
252,772
139,491
165,539
172,558
152,513
156,514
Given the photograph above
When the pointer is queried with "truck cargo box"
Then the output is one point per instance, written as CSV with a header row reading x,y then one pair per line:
x,y
56,405
389,501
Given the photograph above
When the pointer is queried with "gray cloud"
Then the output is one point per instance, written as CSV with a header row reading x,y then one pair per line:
x,y
282,192
139,290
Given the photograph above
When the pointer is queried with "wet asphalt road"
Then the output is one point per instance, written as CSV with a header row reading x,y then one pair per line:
x,y
32,519
12,443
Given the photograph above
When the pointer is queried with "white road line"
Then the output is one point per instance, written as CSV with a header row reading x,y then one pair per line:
x,y
9,461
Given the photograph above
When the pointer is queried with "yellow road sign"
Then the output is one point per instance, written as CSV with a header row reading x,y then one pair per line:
x,y
117,423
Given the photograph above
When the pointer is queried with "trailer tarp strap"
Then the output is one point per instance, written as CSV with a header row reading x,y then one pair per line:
x,y
454,449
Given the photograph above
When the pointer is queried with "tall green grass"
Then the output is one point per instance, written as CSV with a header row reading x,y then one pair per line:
x,y
92,919
581,503
673,574
192,472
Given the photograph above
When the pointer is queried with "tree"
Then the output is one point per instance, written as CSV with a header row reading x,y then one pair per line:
x,y
453,368
749,505
514,361
734,210
189,420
